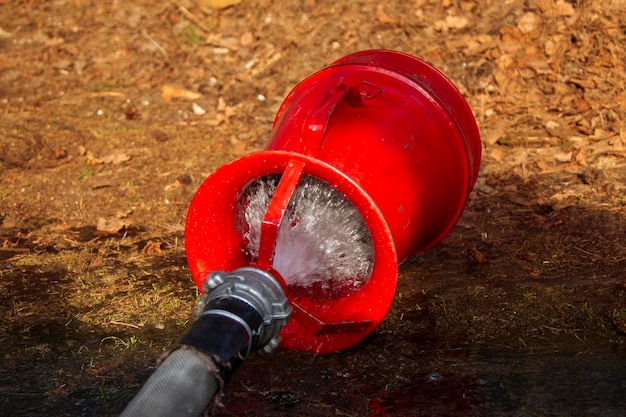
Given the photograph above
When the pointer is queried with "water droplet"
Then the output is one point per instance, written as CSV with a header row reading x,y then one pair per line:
x,y
435,377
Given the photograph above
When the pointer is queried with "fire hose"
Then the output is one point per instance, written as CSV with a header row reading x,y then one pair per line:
x,y
242,311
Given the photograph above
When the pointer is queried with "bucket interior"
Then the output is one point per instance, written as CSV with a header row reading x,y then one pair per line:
x,y
323,249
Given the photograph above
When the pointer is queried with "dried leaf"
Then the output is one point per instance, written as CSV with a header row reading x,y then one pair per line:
x,y
132,113
529,24
197,110
477,44
4,34
246,39
111,226
578,155
583,83
511,37
170,91
218,4
116,158
496,153
563,156
614,145
152,248
557,8
543,166
474,254
382,16
239,146
451,22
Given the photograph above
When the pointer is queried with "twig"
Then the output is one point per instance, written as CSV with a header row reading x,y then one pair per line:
x,y
587,252
153,42
191,16
121,323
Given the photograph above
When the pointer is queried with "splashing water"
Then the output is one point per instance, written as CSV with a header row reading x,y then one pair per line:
x,y
323,249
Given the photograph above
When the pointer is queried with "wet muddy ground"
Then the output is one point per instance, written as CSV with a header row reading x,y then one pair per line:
x,y
111,115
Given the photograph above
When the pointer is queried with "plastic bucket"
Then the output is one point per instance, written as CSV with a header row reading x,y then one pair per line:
x,y
388,131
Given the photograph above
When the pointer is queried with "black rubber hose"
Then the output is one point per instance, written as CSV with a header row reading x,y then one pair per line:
x,y
190,376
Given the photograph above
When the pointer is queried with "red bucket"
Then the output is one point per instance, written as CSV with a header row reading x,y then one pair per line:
x,y
394,137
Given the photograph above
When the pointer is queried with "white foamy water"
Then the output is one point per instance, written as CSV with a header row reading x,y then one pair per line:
x,y
323,248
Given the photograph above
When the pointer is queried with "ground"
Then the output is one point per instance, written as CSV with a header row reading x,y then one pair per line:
x,y
112,114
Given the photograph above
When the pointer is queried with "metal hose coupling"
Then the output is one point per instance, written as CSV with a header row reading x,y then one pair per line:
x,y
251,298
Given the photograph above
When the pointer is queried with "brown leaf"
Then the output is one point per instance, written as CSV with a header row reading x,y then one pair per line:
x,y
169,91
579,82
111,226
218,4
382,16
530,24
247,38
132,113
474,254
152,248
115,158
578,155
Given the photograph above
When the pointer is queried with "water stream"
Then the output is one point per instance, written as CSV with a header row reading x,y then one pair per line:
x,y
323,248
